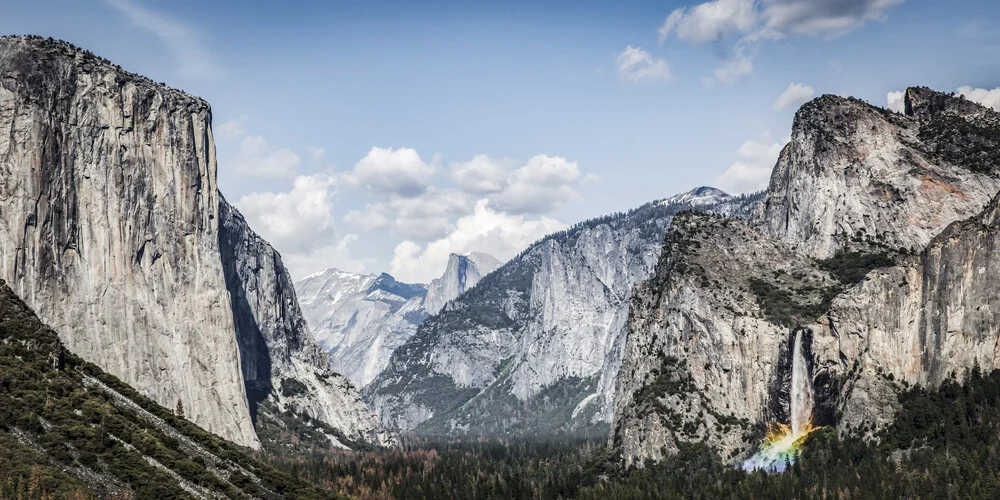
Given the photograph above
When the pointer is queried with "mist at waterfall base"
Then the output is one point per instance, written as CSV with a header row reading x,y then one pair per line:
x,y
783,442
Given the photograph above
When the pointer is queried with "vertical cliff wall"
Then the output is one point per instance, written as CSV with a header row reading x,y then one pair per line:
x,y
876,242
282,361
109,226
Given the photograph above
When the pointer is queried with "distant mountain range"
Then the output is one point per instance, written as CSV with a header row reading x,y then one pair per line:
x,y
361,319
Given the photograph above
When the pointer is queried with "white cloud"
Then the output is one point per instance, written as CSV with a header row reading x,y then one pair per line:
x,y
300,225
485,230
752,169
423,218
193,59
317,156
481,175
710,21
636,65
539,186
794,96
232,129
894,101
987,97
388,172
734,70
535,188
752,22
257,158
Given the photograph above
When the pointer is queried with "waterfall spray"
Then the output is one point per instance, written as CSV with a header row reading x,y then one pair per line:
x,y
781,445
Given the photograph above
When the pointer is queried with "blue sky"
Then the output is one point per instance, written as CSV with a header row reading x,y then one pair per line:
x,y
380,136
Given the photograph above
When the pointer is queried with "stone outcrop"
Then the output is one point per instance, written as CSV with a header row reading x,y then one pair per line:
x,y
109,226
113,230
854,175
462,273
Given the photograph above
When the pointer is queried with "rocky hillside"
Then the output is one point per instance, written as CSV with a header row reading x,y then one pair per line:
x,y
872,242
70,430
113,230
361,319
535,346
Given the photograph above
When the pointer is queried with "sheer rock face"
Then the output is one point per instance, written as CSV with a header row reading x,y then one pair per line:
x,y
697,320
462,273
360,319
113,230
854,174
275,343
935,314
705,359
109,223
536,345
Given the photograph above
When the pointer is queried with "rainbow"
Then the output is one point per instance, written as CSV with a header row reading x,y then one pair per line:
x,y
780,448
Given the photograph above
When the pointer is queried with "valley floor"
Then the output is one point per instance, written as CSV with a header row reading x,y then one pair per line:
x,y
945,444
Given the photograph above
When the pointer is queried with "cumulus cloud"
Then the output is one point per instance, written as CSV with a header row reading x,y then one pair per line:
x,y
486,230
894,101
534,188
259,159
301,226
752,169
987,97
794,96
194,61
539,186
423,218
231,129
753,22
387,172
481,175
710,21
636,65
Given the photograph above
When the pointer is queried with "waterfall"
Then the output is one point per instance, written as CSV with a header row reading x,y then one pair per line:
x,y
782,443
801,391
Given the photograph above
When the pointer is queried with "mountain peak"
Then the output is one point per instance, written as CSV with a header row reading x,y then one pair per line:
x,y
924,103
699,196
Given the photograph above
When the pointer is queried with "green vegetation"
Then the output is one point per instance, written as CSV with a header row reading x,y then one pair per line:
x,y
792,304
973,143
850,267
69,430
943,444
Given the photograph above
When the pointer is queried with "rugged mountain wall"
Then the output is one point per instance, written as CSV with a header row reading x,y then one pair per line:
x,y
462,273
869,193
536,345
703,349
360,319
936,315
109,224
282,362
855,174
113,230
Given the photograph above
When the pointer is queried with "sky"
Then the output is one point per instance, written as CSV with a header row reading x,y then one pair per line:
x,y
381,136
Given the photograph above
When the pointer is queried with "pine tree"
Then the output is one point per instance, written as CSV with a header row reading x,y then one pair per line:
x,y
180,409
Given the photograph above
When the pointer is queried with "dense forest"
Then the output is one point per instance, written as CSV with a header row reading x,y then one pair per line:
x,y
944,444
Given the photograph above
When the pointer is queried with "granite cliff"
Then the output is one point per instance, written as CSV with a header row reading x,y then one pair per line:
x,y
873,245
113,230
